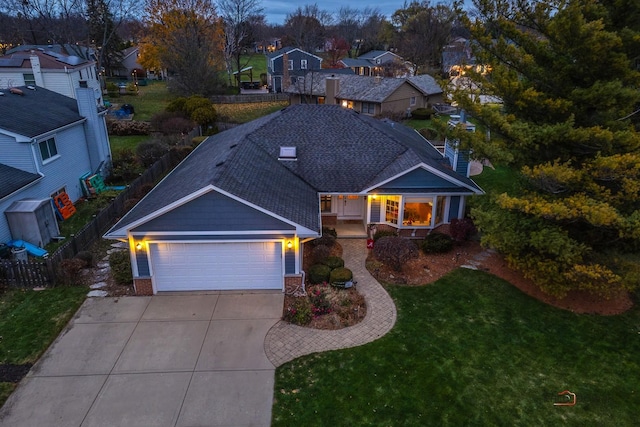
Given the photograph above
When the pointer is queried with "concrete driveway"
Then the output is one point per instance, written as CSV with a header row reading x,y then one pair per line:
x,y
170,360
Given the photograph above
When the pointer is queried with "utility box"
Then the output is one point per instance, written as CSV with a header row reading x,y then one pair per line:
x,y
33,221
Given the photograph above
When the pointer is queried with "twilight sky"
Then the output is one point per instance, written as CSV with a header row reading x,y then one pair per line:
x,y
277,10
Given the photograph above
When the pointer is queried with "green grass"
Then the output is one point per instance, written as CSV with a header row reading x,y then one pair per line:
x,y
30,321
499,180
151,99
126,142
259,63
243,113
471,349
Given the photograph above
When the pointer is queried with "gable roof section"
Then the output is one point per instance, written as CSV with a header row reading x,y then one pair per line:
x,y
49,60
426,83
289,49
36,112
337,151
13,179
195,216
374,54
357,88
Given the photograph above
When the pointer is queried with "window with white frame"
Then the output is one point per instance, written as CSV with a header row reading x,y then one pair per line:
x,y
29,79
291,64
417,211
392,209
303,64
59,192
441,202
325,204
412,101
48,149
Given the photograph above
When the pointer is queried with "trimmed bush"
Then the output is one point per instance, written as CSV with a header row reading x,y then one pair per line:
x,y
69,271
123,128
340,275
462,229
86,257
121,267
149,152
319,273
383,233
395,251
334,262
422,113
320,254
437,243
328,231
326,240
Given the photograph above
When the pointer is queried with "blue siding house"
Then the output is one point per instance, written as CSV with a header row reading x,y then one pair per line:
x,y
284,66
237,213
47,142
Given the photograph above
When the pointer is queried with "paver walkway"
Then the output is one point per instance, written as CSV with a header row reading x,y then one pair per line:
x,y
285,342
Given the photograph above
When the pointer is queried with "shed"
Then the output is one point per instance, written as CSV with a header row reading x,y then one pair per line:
x,y
33,221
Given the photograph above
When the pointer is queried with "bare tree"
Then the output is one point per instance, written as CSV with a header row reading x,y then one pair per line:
x,y
305,27
237,16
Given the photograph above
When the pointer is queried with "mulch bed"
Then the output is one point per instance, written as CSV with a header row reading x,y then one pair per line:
x,y
13,373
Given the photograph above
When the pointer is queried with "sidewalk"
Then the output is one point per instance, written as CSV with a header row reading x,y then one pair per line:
x,y
285,342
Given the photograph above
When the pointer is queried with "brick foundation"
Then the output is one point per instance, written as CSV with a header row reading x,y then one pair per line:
x,y
328,220
143,286
292,282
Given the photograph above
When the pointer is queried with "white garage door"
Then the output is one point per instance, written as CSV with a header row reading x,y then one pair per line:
x,y
216,266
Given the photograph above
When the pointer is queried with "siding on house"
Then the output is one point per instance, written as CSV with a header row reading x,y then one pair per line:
x,y
289,261
419,178
16,154
142,262
375,211
454,206
230,215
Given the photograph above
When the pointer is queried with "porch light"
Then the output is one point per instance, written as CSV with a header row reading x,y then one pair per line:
x,y
374,197
289,244
139,245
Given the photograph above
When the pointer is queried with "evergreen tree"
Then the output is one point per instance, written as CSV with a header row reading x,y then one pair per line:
x,y
566,71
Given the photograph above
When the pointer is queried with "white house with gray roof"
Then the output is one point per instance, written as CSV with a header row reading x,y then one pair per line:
x,y
238,211
47,142
379,63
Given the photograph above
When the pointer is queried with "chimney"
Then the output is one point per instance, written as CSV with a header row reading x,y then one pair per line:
x,y
35,68
286,81
95,129
332,87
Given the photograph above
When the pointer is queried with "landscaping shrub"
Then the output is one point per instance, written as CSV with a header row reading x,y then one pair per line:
x,y
383,233
69,271
319,273
124,127
462,229
149,152
422,113
334,262
328,231
395,251
299,313
326,240
430,134
319,303
320,253
437,243
125,166
340,275
112,89
121,267
86,257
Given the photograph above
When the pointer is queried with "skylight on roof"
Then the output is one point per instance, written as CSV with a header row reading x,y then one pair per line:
x,y
288,153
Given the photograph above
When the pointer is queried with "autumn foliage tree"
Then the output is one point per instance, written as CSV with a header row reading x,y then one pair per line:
x,y
186,38
565,72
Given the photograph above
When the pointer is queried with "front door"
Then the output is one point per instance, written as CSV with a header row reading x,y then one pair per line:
x,y
350,206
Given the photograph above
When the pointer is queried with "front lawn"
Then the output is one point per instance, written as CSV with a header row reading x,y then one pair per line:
x,y
471,349
30,321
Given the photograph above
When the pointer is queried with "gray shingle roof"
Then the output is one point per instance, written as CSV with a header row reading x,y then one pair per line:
x,y
36,111
12,179
338,150
364,88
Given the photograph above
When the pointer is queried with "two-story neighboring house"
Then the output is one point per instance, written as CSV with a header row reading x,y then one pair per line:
x,y
378,63
369,95
51,70
48,142
284,66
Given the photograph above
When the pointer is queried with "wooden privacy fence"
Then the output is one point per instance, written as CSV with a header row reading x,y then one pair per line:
x,y
27,274
249,98
43,272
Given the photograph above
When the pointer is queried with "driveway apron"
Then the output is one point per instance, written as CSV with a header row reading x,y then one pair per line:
x,y
168,360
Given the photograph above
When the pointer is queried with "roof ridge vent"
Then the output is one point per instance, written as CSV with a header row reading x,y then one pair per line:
x,y
288,153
